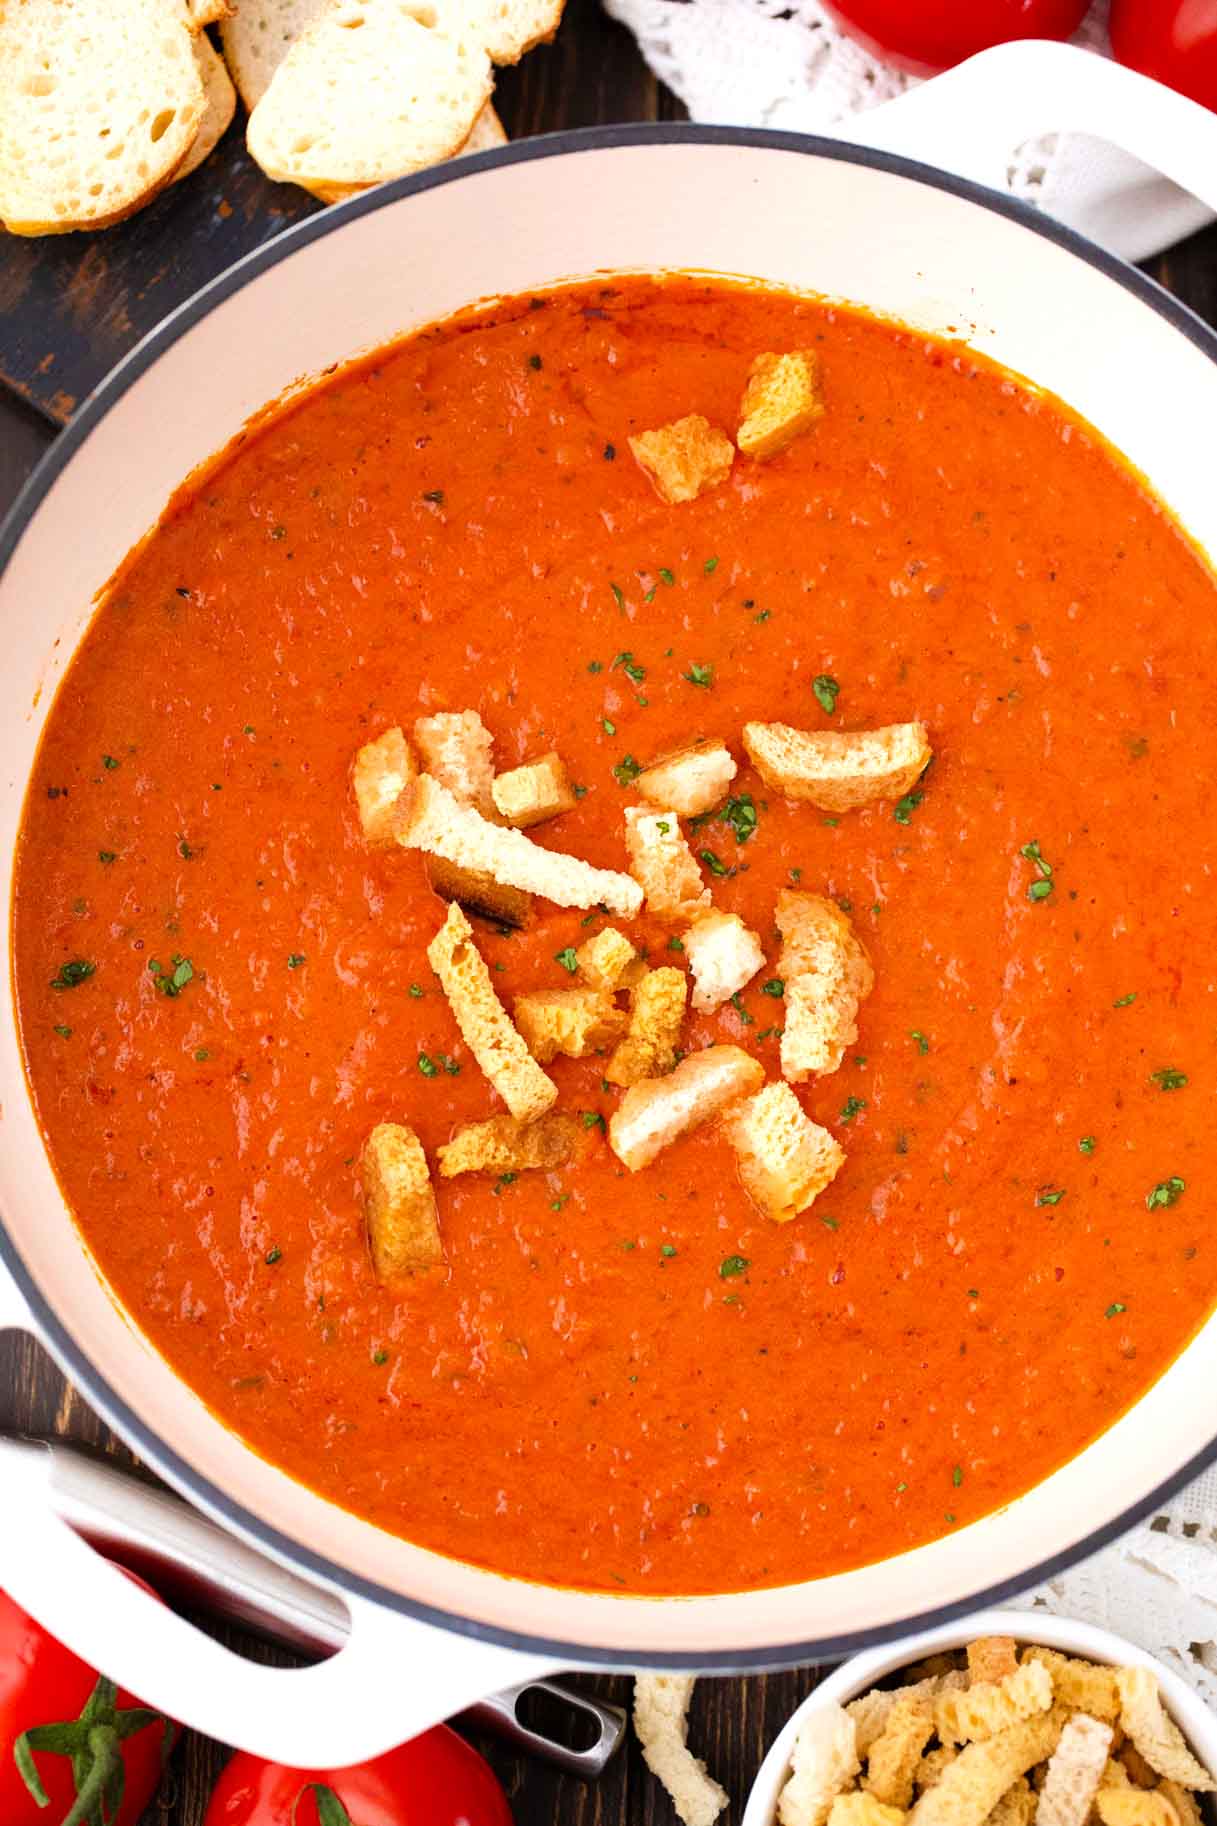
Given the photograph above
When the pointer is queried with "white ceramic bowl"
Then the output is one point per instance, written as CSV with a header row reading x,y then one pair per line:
x,y
862,1672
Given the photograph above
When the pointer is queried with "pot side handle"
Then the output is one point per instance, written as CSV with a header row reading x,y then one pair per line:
x,y
973,118
395,1677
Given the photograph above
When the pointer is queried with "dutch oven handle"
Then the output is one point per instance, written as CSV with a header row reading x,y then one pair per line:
x,y
395,1677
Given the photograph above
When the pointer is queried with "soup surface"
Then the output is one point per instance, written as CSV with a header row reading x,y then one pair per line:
x,y
638,1381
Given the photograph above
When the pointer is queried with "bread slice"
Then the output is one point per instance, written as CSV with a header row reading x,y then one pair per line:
x,y
399,1203
574,1022
785,1159
503,1145
827,975
257,36
839,772
368,93
656,1111
723,955
99,105
663,865
484,1022
457,749
221,104
530,794
206,12
608,960
690,781
379,775
661,1719
488,132
505,29
782,399
683,459
657,1013
432,820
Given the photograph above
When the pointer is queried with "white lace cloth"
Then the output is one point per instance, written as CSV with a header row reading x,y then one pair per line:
x,y
783,64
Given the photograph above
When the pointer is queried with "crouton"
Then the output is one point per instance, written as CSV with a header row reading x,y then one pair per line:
x,y
431,819
991,1658
457,749
503,1145
574,1022
1084,1686
399,1204
691,781
657,1012
479,893
1135,1807
530,794
1017,1806
379,773
871,1711
1140,1774
607,960
683,459
896,1753
661,1719
657,1111
785,1159
484,1022
824,1762
1074,1772
663,864
838,773
1155,1733
723,955
781,399
859,1809
990,1706
969,1788
931,1768
827,975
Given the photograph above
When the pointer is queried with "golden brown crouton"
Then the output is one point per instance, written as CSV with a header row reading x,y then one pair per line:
x,y
931,1767
574,1022
431,819
530,794
484,1022
399,1204
661,1719
823,1762
991,1658
1135,1807
896,1753
1084,1686
781,400
723,955
656,1111
838,773
990,1706
683,459
860,1809
1155,1734
457,748
827,975
657,1012
503,1145
606,961
379,772
970,1787
479,893
690,781
663,864
785,1161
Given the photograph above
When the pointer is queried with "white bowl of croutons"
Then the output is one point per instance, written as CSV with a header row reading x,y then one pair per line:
x,y
1007,1717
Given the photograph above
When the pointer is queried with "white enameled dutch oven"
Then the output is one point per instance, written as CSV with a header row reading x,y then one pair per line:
x,y
429,1633
878,1666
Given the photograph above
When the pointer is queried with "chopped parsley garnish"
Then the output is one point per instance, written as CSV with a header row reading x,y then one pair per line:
x,y
417,990
185,852
451,1066
666,1249
608,727
851,1108
763,616
595,665
700,675
627,770
923,1045
776,986
904,808
714,863
1125,1000
434,495
65,1033
826,691
1168,1079
380,1358
109,763
675,944
295,960
630,667
1043,885
733,1265
957,1476
740,813
567,958
1166,1192
107,856
201,1055
1086,1145
741,1011
592,1119
710,566
1047,1196
172,982
556,1204
427,1065
1116,1307
665,576
901,1488
618,598
273,1255
76,971
534,362
830,1223
504,1179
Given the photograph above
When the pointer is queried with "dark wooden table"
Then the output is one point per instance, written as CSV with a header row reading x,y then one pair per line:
x,y
591,74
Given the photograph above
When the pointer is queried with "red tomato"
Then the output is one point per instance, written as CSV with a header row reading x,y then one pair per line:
x,y
1173,40
436,1780
53,1710
927,35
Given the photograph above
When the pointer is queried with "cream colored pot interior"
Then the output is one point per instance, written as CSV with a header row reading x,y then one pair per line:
x,y
892,242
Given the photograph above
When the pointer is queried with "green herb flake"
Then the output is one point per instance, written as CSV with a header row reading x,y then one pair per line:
x,y
904,808
763,616
451,1066
776,987
417,991
851,1108
1114,1310
295,960
740,813
65,1033
627,769
107,856
556,1204
1168,1079
1086,1145
710,566
676,944
595,665
923,1045
201,1055
732,1265
434,495
427,1065
665,576
109,762
714,863
826,691
741,1011
592,1119
1126,1001
618,598
535,363
901,1488
608,727
567,958
503,1180
629,666
957,1476
76,971
830,1223
1166,1192
380,1358
1047,1195
273,1255
700,675
667,1249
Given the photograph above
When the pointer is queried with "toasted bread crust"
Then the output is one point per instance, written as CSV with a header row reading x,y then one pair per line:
x,y
379,775
689,782
484,1022
782,400
399,1204
683,459
657,1012
663,865
503,1145
528,795
785,1161
839,772
827,975
574,1022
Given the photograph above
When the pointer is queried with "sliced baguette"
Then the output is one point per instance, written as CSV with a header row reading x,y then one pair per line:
x,y
99,106
221,100
488,131
434,821
657,1111
484,1022
367,93
505,29
257,37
